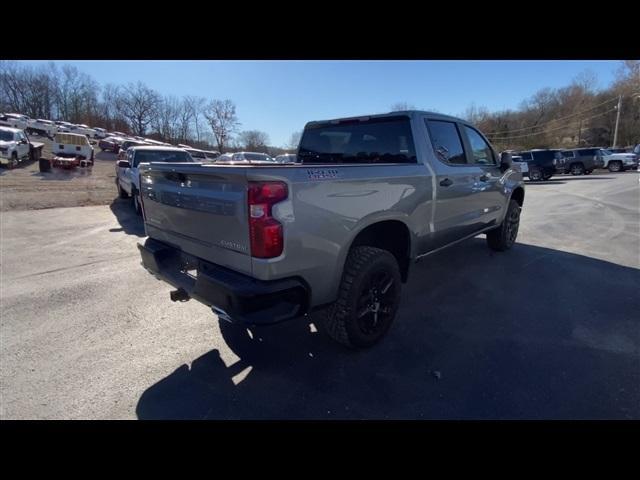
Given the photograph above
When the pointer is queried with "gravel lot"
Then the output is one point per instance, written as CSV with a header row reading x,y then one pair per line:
x,y
548,330
25,188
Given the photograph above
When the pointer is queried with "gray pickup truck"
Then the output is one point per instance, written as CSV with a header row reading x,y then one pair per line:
x,y
334,234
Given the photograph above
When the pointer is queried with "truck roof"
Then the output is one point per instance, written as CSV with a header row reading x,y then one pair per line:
x,y
157,148
10,129
408,113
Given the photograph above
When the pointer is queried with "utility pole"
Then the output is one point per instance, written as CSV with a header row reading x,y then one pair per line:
x,y
615,133
579,133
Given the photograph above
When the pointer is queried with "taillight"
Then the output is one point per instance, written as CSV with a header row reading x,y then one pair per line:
x,y
265,232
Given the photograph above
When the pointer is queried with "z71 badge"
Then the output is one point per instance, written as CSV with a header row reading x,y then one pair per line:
x,y
321,173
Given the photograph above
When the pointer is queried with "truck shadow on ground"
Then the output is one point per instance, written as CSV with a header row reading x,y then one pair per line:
x,y
130,223
479,335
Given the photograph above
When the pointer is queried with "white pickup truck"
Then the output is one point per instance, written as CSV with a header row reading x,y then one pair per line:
x,y
40,126
128,174
14,147
619,162
14,120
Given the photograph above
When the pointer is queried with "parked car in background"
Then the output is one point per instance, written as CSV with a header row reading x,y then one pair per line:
x,y
518,162
211,154
14,147
335,235
40,126
126,145
14,120
110,144
250,157
85,130
100,133
197,155
65,126
582,161
618,161
128,175
286,158
224,158
542,164
118,134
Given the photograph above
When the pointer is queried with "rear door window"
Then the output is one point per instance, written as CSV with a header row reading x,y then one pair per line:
x,y
446,142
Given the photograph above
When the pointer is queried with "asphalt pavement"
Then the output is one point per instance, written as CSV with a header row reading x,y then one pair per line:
x,y
548,330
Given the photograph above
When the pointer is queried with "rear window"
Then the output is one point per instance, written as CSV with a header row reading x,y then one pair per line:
x,y
71,139
547,155
379,140
169,156
590,151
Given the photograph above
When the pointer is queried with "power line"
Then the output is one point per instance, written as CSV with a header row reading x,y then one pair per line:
x,y
551,129
557,119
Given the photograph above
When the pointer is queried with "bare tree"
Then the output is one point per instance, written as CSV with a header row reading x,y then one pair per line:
x,y
400,106
196,107
253,140
294,140
221,115
166,120
138,104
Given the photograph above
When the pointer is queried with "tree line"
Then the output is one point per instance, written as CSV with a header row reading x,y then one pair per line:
x,y
571,116
577,115
64,93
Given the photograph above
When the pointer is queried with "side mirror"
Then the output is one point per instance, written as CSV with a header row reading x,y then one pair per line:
x,y
124,164
506,161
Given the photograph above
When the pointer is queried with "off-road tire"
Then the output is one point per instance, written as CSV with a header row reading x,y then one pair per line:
x,y
503,237
339,320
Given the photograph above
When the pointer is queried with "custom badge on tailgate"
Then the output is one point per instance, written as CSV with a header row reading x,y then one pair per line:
x,y
322,173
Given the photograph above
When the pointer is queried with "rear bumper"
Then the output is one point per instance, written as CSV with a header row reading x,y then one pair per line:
x,y
234,296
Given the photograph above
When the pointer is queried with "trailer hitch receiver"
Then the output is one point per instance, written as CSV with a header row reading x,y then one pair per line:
x,y
179,295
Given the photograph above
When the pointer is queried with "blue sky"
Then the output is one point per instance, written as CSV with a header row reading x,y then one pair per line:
x,y
279,97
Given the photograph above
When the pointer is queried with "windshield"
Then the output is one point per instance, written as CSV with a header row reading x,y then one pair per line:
x,y
170,156
605,152
379,140
6,136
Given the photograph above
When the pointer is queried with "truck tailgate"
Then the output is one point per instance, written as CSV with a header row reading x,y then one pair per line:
x,y
200,209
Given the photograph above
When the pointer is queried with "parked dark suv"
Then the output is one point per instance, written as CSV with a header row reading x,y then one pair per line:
x,y
542,164
582,161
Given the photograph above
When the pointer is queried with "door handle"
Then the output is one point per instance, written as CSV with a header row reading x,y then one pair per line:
x,y
446,182
485,178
